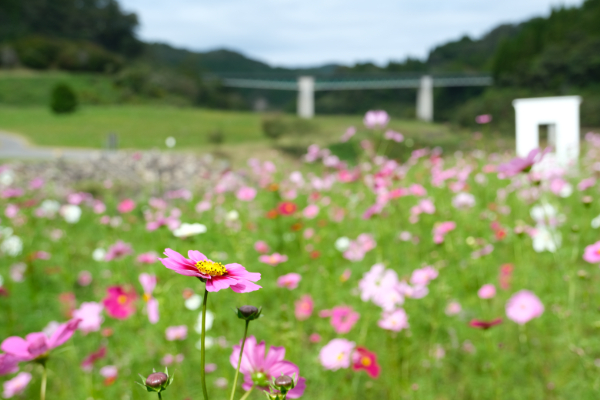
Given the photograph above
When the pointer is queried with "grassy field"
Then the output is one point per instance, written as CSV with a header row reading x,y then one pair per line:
x,y
146,127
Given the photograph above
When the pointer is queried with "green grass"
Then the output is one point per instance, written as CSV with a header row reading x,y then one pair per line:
x,y
29,88
147,126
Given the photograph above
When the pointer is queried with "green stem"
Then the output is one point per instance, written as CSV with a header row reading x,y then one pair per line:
x,y
237,370
159,396
245,396
44,379
203,348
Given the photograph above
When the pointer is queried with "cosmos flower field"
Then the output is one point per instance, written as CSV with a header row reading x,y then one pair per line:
x,y
438,276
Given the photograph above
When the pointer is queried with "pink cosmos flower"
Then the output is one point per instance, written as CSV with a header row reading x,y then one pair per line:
x,y
343,318
463,201
176,333
8,364
524,306
89,361
422,276
487,291
336,354
16,385
363,359
314,338
518,164
453,308
426,206
273,260
311,211
376,119
148,283
126,206
304,307
260,367
483,119
118,250
289,281
261,246
120,303
586,183
246,193
395,136
592,253
366,241
351,131
84,278
37,345
216,275
90,314
109,373
394,321
203,206
36,183
147,258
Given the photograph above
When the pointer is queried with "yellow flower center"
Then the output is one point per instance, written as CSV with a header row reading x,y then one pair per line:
x,y
211,268
146,297
366,361
122,299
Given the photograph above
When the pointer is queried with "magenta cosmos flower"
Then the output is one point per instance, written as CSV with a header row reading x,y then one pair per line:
x,y
259,368
120,303
216,275
592,253
38,345
524,306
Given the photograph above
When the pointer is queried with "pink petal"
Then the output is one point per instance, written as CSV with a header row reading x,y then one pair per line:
x,y
152,308
196,256
63,333
16,346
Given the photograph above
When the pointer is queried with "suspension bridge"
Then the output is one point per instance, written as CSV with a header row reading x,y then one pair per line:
x,y
307,85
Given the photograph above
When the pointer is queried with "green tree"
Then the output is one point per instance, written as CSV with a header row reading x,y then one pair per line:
x,y
63,99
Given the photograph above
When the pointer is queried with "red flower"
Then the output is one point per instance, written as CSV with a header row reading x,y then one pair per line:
x,y
479,324
287,208
272,214
506,276
119,303
365,360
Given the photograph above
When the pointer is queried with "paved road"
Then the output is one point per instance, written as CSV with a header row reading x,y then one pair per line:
x,y
15,147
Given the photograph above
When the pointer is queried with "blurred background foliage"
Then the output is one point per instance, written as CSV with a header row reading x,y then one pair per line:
x,y
95,42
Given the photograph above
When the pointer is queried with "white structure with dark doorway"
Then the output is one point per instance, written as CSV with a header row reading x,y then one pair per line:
x,y
560,114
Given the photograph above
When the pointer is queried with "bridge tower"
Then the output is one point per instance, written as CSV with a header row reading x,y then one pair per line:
x,y
425,99
306,97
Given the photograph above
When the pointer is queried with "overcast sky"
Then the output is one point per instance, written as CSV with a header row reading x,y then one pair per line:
x,y
312,32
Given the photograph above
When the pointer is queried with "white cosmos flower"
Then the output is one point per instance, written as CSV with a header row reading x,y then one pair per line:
x,y
12,246
543,213
71,213
232,215
186,230
99,254
194,302
50,206
546,240
209,342
596,222
7,177
342,244
210,318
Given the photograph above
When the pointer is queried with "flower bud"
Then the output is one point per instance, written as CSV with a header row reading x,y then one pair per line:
x,y
248,313
156,379
284,381
156,382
